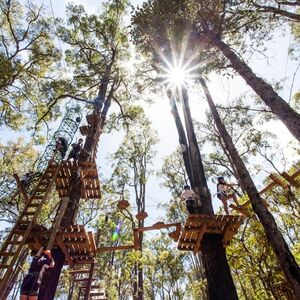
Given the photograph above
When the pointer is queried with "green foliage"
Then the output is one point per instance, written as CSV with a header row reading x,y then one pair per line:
x,y
28,57
15,157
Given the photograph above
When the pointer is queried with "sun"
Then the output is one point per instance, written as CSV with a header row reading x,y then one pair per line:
x,y
176,76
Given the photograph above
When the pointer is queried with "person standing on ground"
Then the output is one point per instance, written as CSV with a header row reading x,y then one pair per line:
x,y
31,282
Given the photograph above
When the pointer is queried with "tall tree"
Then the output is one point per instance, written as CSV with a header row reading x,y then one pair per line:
x,y
132,160
160,51
96,44
286,259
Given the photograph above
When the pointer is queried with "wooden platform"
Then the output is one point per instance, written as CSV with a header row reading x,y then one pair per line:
x,y
86,130
276,181
76,243
198,225
89,178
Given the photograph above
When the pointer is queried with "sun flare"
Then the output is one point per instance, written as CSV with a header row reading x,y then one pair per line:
x,y
176,76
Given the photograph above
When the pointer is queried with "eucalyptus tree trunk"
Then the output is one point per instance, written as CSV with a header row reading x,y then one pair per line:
x,y
278,106
285,257
50,279
219,279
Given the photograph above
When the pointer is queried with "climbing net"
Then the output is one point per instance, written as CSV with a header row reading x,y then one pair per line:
x,y
67,129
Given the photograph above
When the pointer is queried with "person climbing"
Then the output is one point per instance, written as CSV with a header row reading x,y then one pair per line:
x,y
61,146
31,282
25,180
189,197
76,148
226,192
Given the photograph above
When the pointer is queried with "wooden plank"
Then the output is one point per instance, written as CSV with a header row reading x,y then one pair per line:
x,y
278,181
63,248
290,179
92,242
268,187
57,222
296,174
78,271
20,187
240,210
114,248
158,226
199,238
136,239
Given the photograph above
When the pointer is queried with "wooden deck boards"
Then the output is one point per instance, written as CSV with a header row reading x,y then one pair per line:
x,y
198,225
89,177
77,244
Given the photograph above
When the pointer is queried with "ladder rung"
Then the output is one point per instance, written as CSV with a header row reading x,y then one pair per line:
x,y
7,253
33,205
14,242
28,213
37,197
20,231
41,190
24,223
4,266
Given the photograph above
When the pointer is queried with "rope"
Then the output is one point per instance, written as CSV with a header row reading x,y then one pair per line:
x,y
59,43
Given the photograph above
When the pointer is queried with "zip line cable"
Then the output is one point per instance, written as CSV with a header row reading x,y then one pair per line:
x,y
59,43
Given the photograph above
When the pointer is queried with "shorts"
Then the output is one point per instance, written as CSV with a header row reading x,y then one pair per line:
x,y
30,284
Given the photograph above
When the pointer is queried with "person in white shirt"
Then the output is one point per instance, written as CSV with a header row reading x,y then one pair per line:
x,y
190,199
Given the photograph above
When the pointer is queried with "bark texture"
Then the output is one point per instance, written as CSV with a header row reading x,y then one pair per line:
x,y
285,257
278,106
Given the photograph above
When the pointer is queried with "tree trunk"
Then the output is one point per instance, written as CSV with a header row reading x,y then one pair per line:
x,y
219,279
278,106
274,236
181,135
50,279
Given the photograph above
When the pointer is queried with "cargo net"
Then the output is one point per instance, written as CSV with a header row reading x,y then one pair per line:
x,y
67,129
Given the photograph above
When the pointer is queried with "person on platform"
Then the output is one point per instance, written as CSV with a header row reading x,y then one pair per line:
x,y
226,192
190,198
61,146
76,148
31,282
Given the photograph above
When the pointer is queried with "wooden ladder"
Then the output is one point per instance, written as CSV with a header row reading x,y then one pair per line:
x,y
19,234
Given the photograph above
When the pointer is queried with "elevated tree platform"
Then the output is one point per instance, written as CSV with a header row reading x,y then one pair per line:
x,y
197,225
78,245
18,236
291,179
89,178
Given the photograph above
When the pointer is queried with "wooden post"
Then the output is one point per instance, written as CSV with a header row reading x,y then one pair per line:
x,y
89,283
290,179
59,217
20,187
